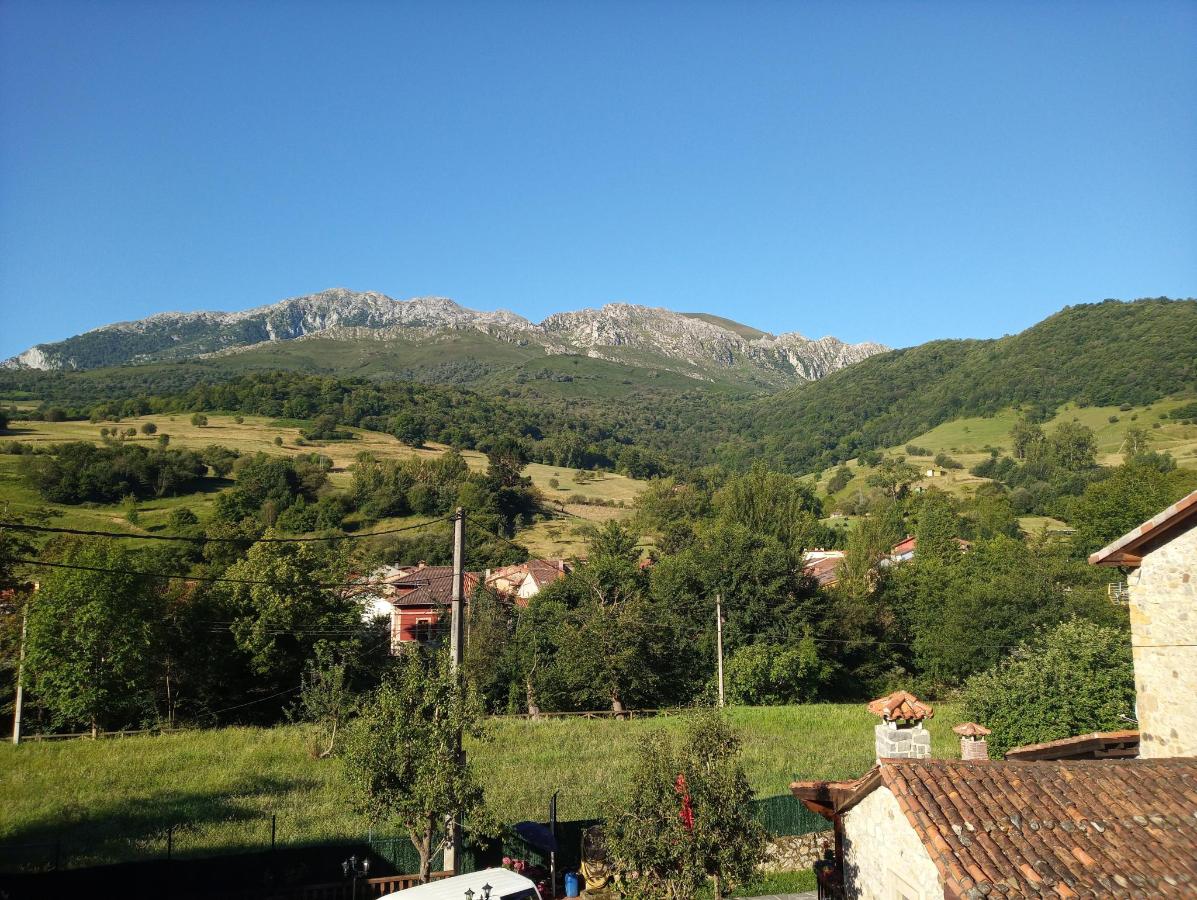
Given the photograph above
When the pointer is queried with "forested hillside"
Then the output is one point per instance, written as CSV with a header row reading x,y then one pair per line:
x,y
1096,354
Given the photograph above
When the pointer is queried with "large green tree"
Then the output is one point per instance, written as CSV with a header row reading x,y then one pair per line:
x,y
402,757
1077,678
91,645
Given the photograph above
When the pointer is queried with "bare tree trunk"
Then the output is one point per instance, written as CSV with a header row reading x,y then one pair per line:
x,y
617,706
718,888
533,709
332,739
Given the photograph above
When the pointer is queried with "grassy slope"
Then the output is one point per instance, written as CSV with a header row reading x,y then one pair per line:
x,y
225,783
1102,353
257,434
966,440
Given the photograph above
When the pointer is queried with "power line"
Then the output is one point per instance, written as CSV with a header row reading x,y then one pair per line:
x,y
361,584
196,539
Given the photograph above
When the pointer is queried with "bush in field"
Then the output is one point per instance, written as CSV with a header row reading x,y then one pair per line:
x,y
199,420
1079,679
149,428
181,517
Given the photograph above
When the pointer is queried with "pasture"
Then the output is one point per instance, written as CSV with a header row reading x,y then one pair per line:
x,y
113,799
257,434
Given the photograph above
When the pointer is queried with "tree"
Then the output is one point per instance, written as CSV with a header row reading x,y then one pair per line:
x,y
402,757
772,674
893,476
839,479
1076,679
1072,446
91,638
3,420
149,428
1027,438
938,527
283,613
1135,442
325,699
1132,494
775,504
688,818
199,420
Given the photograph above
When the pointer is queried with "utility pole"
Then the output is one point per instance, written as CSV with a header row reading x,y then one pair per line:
x,y
456,645
19,702
719,641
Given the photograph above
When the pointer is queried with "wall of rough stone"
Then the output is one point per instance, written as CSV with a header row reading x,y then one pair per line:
x,y
796,853
1163,610
897,742
883,856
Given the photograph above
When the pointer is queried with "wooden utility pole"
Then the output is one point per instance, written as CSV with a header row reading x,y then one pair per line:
x,y
719,641
456,649
20,699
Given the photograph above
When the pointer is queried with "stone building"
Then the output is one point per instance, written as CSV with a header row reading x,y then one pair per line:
x,y
1160,558
1079,817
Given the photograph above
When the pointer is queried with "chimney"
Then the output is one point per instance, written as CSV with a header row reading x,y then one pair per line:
x,y
900,733
972,741
422,564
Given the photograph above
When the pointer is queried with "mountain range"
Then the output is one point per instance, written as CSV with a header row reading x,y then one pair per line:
x,y
697,345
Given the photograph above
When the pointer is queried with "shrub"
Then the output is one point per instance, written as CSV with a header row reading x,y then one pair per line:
x,y
947,462
199,420
181,517
149,428
1079,679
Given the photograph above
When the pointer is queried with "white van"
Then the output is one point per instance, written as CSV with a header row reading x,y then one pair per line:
x,y
503,883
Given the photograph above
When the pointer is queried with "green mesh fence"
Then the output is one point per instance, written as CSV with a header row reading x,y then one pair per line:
x,y
783,815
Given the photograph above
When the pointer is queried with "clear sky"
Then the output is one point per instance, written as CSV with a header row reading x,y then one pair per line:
x,y
892,171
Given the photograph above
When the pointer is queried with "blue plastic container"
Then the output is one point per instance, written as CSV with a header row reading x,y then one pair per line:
x,y
571,884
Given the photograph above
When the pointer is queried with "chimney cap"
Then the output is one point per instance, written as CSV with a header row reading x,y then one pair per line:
x,y
971,729
901,705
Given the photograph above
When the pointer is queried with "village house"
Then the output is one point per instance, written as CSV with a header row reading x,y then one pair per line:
x,y
416,599
823,566
1100,815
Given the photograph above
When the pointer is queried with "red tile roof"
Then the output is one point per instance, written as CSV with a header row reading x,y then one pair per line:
x,y
1098,745
1122,552
825,571
1099,828
429,586
901,705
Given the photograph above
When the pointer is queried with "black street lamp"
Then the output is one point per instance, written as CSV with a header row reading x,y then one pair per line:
x,y
354,869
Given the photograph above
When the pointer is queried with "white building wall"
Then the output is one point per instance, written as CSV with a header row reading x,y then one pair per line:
x,y
883,856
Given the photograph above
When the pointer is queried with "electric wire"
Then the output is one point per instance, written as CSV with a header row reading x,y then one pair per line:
x,y
204,539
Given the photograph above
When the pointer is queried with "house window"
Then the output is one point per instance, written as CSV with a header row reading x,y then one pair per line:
x,y
423,630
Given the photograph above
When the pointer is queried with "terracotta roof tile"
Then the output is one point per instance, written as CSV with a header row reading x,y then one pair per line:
x,y
971,729
901,706
1066,828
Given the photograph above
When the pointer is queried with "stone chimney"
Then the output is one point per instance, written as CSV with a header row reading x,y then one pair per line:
x,y
972,741
900,733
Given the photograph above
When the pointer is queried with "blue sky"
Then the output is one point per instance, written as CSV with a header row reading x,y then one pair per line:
x,y
891,171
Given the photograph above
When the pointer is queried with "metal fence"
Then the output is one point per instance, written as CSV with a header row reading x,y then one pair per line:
x,y
780,815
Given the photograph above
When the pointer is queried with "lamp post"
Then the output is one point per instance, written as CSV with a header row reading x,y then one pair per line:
x,y
354,869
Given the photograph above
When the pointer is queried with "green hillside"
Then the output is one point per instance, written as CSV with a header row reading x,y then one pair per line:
x,y
1100,354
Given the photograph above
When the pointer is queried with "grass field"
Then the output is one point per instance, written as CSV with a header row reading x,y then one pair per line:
x,y
967,440
113,799
257,434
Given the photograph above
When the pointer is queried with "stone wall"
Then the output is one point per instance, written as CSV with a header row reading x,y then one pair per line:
x,y
1163,610
883,856
895,742
796,853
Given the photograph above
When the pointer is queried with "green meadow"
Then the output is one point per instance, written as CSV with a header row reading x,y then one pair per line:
x,y
113,799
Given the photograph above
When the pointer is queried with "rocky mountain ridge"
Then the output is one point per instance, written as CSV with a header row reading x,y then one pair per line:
x,y
618,332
